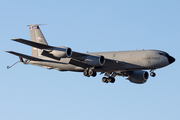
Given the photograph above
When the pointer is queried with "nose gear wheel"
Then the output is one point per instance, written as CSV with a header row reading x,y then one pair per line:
x,y
152,73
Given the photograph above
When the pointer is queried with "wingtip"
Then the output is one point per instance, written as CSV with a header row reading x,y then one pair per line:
x,y
14,39
7,51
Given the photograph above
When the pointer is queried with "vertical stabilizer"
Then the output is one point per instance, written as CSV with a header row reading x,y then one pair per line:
x,y
36,36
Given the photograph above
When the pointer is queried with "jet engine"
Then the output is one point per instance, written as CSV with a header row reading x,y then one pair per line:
x,y
95,61
62,52
138,77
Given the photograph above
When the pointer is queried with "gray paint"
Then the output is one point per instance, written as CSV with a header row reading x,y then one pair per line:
x,y
121,63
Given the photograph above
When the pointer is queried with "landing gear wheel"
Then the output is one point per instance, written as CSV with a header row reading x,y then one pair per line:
x,y
85,73
112,80
104,79
94,74
89,72
153,74
107,80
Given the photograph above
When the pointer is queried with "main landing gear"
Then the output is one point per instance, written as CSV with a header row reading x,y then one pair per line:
x,y
109,79
89,72
152,73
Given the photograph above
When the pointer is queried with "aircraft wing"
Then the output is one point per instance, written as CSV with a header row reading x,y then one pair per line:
x,y
47,47
33,44
24,56
76,56
37,45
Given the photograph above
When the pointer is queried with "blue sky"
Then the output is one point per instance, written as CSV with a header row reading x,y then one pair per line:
x,y
33,93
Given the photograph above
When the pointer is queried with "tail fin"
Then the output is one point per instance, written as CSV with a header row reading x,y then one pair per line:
x,y
36,36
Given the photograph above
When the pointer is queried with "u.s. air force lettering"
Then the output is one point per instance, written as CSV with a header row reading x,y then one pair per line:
x,y
151,58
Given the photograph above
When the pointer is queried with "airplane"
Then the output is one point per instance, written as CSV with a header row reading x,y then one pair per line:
x,y
130,64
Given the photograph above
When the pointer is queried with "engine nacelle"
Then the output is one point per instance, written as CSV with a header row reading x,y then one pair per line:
x,y
95,61
62,52
138,77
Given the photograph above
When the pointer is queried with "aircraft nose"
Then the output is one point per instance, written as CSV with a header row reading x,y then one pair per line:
x,y
171,59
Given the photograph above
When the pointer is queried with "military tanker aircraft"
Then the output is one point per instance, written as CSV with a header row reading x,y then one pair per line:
x,y
130,64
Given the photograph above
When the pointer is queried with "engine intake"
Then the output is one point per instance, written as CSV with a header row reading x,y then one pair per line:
x,y
95,61
62,52
138,77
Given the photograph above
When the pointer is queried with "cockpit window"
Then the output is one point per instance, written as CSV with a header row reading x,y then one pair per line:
x,y
164,54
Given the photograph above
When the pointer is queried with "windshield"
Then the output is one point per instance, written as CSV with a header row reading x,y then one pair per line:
x,y
164,54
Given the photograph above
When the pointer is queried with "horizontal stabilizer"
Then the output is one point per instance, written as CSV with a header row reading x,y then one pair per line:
x,y
24,56
33,44
36,25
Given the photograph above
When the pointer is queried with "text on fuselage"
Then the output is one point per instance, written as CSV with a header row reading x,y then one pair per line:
x,y
151,58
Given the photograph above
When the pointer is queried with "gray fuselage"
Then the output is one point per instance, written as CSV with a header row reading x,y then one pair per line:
x,y
130,60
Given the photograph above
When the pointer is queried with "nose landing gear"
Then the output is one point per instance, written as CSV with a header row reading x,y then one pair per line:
x,y
152,73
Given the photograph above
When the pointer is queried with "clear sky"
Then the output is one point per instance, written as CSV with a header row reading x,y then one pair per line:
x,y
35,93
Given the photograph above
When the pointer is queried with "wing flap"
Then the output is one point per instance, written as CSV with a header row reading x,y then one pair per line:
x,y
78,63
81,56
